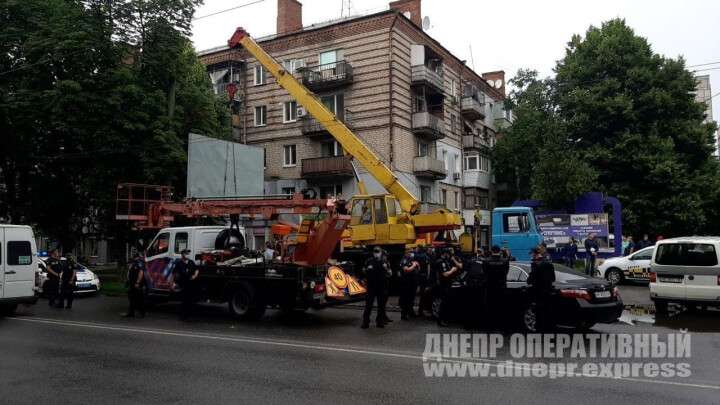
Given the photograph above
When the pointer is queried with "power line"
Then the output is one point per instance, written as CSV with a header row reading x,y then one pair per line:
x,y
711,97
705,70
704,64
229,9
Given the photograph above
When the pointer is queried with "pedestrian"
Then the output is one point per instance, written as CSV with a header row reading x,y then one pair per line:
x,y
571,253
186,274
474,296
136,287
447,272
591,252
424,282
376,275
410,268
52,285
68,277
541,279
630,248
269,253
496,270
645,242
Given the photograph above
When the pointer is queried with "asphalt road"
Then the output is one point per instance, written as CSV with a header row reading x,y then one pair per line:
x,y
91,355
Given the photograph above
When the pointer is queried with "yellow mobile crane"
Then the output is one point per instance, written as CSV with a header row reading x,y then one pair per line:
x,y
376,219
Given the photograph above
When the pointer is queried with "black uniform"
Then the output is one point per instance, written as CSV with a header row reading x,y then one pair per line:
x,y
541,279
136,291
376,275
183,277
441,266
496,269
408,286
52,286
424,282
67,285
474,300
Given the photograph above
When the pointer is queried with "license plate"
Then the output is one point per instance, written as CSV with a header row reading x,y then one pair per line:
x,y
602,294
669,280
83,285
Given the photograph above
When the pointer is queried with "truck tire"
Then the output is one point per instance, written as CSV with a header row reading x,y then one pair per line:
x,y
243,303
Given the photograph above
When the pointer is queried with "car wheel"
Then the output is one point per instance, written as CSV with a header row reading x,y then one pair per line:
x,y
614,276
661,307
436,303
530,319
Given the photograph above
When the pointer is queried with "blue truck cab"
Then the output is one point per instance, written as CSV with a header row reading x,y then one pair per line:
x,y
515,228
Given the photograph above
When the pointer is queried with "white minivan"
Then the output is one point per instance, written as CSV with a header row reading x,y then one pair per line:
x,y
686,270
18,264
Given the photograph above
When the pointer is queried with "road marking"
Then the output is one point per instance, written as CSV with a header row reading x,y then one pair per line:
x,y
316,347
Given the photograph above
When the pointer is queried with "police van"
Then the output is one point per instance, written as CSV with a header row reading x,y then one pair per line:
x,y
687,271
18,264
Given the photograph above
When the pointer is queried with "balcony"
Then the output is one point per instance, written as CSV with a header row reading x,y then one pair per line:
x,y
472,109
429,167
472,141
313,128
327,76
423,75
428,126
327,167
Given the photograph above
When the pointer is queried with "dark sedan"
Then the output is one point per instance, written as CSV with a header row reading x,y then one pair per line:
x,y
577,301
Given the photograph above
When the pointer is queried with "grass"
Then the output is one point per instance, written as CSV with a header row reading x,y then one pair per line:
x,y
114,288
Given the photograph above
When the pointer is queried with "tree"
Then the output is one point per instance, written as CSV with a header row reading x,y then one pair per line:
x,y
534,158
85,104
633,116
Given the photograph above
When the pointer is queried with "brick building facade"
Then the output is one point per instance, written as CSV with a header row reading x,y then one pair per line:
x,y
421,109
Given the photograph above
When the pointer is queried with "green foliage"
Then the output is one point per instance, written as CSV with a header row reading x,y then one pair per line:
x,y
623,120
93,93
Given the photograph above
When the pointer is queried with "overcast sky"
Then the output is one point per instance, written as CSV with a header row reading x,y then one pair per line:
x,y
510,34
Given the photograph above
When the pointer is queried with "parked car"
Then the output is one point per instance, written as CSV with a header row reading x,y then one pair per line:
x,y
633,267
687,271
578,301
87,281
17,267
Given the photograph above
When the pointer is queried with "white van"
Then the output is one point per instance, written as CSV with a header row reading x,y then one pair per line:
x,y
18,264
687,271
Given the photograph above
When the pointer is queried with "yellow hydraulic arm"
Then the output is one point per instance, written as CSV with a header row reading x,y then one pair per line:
x,y
349,141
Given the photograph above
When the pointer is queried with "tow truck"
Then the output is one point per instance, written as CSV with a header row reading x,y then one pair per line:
x,y
300,277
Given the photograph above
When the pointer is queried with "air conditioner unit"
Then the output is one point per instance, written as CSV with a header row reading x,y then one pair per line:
x,y
456,176
301,112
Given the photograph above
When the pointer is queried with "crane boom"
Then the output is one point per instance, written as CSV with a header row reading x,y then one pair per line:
x,y
345,137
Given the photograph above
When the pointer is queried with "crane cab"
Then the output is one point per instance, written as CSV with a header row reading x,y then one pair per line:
x,y
377,219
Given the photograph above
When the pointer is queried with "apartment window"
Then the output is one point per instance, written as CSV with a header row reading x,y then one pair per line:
x,y
260,116
445,159
477,198
453,90
258,75
292,65
288,190
423,149
419,104
289,155
443,197
330,149
264,158
457,164
333,190
425,193
472,162
289,111
330,57
335,103
457,200
453,123
484,163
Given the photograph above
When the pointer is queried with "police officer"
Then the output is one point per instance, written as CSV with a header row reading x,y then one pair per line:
x,y
496,269
68,277
410,268
541,279
376,274
447,273
423,279
136,285
186,274
54,269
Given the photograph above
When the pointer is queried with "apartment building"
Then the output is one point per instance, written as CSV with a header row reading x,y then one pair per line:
x,y
703,94
428,116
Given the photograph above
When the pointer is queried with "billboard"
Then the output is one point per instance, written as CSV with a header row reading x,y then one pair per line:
x,y
557,229
218,168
